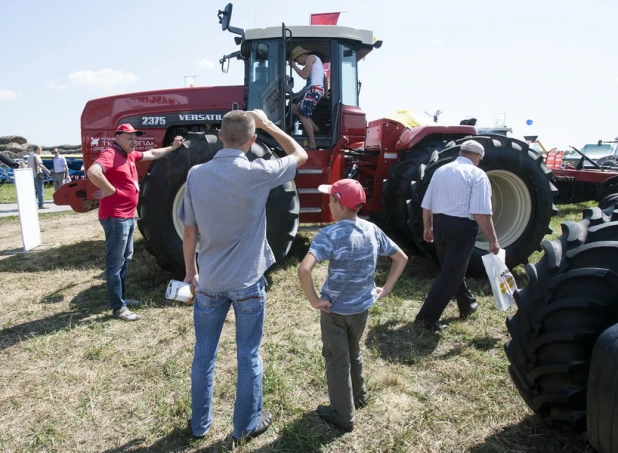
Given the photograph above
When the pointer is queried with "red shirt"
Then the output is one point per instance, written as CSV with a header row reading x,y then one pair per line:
x,y
121,173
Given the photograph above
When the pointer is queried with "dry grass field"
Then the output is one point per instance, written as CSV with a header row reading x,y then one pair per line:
x,y
73,379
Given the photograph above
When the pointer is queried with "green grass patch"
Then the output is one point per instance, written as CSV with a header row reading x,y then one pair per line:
x,y
8,194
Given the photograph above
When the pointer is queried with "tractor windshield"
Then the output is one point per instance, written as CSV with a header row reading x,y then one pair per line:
x,y
265,78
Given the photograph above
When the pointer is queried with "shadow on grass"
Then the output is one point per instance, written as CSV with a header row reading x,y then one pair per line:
x,y
405,344
145,281
57,296
77,256
177,440
485,343
530,435
89,302
306,434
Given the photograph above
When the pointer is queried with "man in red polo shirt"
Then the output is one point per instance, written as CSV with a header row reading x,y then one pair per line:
x,y
114,172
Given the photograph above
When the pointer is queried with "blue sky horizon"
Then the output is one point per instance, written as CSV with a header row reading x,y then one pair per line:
x,y
551,62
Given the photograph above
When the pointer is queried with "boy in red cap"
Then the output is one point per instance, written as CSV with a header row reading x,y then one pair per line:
x,y
352,246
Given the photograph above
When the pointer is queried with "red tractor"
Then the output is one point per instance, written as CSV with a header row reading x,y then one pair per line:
x,y
393,163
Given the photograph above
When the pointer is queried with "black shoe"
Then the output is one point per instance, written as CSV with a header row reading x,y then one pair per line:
x,y
327,414
433,326
359,403
264,423
190,428
466,314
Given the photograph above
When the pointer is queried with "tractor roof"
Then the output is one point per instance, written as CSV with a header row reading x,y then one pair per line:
x,y
314,31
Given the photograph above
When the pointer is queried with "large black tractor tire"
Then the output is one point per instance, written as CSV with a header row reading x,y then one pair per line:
x,y
571,298
397,189
603,393
162,191
395,195
522,199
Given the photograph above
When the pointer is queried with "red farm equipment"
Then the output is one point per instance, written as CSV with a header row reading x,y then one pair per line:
x,y
587,179
393,163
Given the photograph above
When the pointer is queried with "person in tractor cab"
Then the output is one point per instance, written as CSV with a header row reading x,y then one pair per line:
x,y
456,203
352,246
225,205
305,101
114,173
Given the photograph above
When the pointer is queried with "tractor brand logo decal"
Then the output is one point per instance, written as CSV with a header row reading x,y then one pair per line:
x,y
98,144
201,117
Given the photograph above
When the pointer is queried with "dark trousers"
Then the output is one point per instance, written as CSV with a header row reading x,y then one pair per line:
x,y
341,335
454,238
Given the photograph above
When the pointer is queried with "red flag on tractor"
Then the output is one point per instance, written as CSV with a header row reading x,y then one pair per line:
x,y
325,19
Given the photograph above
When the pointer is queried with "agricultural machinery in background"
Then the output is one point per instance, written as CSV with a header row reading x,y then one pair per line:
x,y
394,164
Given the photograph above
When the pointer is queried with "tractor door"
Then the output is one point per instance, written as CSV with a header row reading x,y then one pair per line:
x,y
268,84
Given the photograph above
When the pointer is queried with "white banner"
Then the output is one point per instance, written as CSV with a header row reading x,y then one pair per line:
x,y
27,205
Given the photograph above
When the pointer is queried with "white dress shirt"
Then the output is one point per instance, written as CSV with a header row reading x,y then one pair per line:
x,y
459,189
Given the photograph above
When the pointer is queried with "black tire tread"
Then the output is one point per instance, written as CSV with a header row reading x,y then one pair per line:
x,y
571,299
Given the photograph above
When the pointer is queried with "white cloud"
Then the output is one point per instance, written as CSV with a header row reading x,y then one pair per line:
x,y
105,78
53,85
9,95
206,64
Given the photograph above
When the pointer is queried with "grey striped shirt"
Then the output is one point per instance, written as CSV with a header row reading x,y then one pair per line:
x,y
226,199
459,189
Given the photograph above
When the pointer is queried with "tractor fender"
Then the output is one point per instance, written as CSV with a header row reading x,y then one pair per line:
x,y
78,194
610,181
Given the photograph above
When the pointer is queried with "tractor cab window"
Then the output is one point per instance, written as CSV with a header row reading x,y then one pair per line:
x,y
264,78
349,76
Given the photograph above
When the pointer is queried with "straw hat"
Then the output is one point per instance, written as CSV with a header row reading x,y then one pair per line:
x,y
297,52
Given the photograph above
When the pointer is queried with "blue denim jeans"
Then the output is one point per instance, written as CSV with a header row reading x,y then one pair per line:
x,y
118,252
209,313
38,190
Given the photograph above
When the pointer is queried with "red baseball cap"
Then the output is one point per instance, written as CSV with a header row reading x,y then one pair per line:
x,y
126,128
348,192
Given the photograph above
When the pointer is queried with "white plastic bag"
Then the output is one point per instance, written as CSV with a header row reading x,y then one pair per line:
x,y
502,282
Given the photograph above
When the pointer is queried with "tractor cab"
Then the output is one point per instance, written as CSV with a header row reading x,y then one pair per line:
x,y
271,83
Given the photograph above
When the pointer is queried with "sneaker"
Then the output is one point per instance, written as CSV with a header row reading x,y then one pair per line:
x,y
264,423
125,314
132,302
43,207
327,414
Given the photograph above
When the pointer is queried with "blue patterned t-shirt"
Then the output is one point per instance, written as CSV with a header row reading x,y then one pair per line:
x,y
352,248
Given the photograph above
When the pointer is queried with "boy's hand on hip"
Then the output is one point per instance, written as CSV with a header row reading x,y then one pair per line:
x,y
321,304
382,292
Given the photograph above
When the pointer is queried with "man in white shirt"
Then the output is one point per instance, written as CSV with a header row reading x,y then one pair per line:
x,y
61,171
38,171
457,202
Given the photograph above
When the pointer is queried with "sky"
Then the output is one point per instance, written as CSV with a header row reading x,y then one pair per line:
x,y
549,61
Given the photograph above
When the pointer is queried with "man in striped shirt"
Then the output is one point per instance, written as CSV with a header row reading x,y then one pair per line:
x,y
457,202
225,204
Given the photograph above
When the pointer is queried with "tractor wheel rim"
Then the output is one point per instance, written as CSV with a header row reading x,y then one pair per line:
x,y
178,225
512,208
